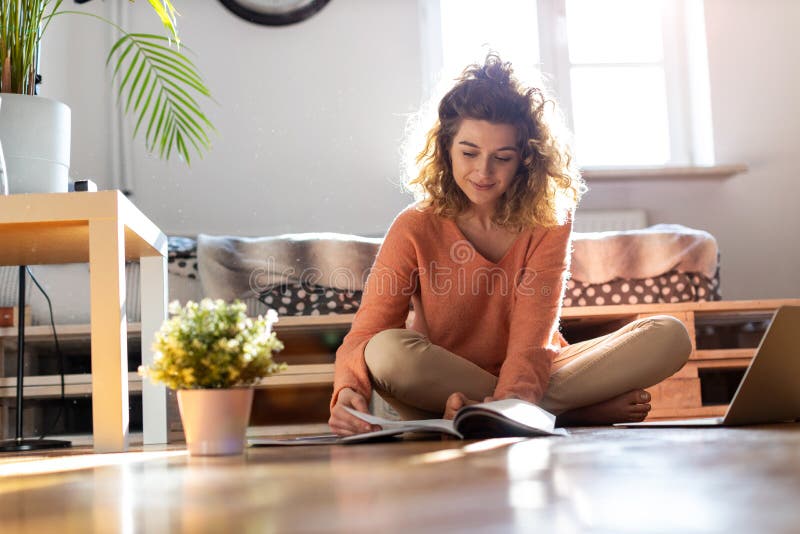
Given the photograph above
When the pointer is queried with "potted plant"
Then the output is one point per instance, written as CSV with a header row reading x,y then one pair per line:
x,y
157,83
211,353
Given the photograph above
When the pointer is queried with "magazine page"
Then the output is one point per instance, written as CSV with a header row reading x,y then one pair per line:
x,y
322,439
507,417
389,429
431,425
503,418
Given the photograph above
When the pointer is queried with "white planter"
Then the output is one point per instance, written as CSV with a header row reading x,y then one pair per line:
x,y
35,134
215,420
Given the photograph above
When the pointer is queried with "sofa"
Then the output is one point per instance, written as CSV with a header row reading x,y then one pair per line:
x,y
324,273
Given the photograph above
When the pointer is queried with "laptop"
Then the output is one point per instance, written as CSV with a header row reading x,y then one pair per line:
x,y
770,389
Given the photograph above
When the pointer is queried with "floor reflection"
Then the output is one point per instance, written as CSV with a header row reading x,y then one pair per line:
x,y
595,480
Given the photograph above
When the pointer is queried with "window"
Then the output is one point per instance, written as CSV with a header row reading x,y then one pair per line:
x,y
467,24
631,75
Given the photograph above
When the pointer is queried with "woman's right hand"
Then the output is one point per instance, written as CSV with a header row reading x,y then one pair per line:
x,y
344,423
454,403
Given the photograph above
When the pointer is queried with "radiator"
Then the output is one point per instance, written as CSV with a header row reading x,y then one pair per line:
x,y
606,220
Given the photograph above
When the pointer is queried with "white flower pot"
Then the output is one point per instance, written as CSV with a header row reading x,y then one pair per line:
x,y
35,134
215,420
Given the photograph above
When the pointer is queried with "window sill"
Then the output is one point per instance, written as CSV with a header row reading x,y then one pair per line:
x,y
711,172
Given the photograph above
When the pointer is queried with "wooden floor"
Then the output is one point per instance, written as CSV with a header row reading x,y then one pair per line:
x,y
600,479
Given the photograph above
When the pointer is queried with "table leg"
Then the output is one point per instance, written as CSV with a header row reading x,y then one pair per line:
x,y
109,331
153,284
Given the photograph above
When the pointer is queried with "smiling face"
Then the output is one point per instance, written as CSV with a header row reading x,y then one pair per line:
x,y
485,159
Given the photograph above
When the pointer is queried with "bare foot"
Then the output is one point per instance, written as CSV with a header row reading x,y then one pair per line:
x,y
626,408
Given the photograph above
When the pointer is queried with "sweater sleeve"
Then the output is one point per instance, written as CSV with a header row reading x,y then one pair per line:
x,y
385,301
539,289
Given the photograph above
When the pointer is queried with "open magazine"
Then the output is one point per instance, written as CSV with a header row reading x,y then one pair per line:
x,y
496,419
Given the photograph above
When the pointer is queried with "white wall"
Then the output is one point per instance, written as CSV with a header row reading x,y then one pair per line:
x,y
310,117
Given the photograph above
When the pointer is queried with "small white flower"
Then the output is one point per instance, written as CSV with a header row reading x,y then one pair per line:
x,y
174,307
271,319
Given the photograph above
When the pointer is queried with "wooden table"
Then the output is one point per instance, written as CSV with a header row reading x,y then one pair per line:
x,y
104,229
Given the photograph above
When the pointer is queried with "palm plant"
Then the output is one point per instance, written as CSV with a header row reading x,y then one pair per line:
x,y
158,82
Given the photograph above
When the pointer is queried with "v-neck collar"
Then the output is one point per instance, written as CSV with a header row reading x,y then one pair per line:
x,y
506,254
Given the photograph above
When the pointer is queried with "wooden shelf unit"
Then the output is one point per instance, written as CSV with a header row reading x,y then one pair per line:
x,y
49,386
713,370
679,396
42,388
311,342
39,341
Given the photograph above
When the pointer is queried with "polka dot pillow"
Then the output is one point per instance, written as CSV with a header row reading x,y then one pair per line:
x,y
308,299
672,286
182,256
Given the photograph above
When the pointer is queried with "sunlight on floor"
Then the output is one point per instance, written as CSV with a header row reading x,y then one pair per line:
x,y
447,455
40,465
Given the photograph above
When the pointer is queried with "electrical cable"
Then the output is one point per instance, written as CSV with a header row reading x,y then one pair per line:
x,y
58,351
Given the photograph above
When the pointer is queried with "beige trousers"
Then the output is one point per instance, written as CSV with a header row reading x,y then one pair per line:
x,y
416,377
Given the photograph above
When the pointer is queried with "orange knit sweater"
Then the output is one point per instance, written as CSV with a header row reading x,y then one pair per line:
x,y
501,316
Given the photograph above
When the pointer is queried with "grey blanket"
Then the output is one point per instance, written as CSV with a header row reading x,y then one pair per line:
x,y
240,267
600,257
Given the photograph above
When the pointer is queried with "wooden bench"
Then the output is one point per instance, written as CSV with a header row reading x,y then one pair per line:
x,y
724,335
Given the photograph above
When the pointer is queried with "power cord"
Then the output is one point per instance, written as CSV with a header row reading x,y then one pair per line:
x,y
58,351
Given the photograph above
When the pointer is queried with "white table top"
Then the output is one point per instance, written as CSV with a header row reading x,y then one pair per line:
x,y
66,218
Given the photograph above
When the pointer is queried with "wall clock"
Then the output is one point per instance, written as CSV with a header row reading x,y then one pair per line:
x,y
274,12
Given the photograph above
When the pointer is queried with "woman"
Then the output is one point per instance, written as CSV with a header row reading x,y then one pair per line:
x,y
482,257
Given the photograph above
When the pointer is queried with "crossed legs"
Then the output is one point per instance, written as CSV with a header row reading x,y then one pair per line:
x,y
598,381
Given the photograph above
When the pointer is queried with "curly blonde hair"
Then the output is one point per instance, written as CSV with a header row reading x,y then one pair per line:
x,y
547,186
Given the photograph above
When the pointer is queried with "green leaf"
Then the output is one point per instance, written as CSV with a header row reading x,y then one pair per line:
x,y
171,61
185,110
160,85
116,47
151,41
129,72
193,134
182,147
152,121
135,83
170,73
195,143
160,124
168,141
143,112
144,86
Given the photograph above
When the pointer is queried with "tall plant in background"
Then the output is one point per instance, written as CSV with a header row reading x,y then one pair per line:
x,y
158,82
